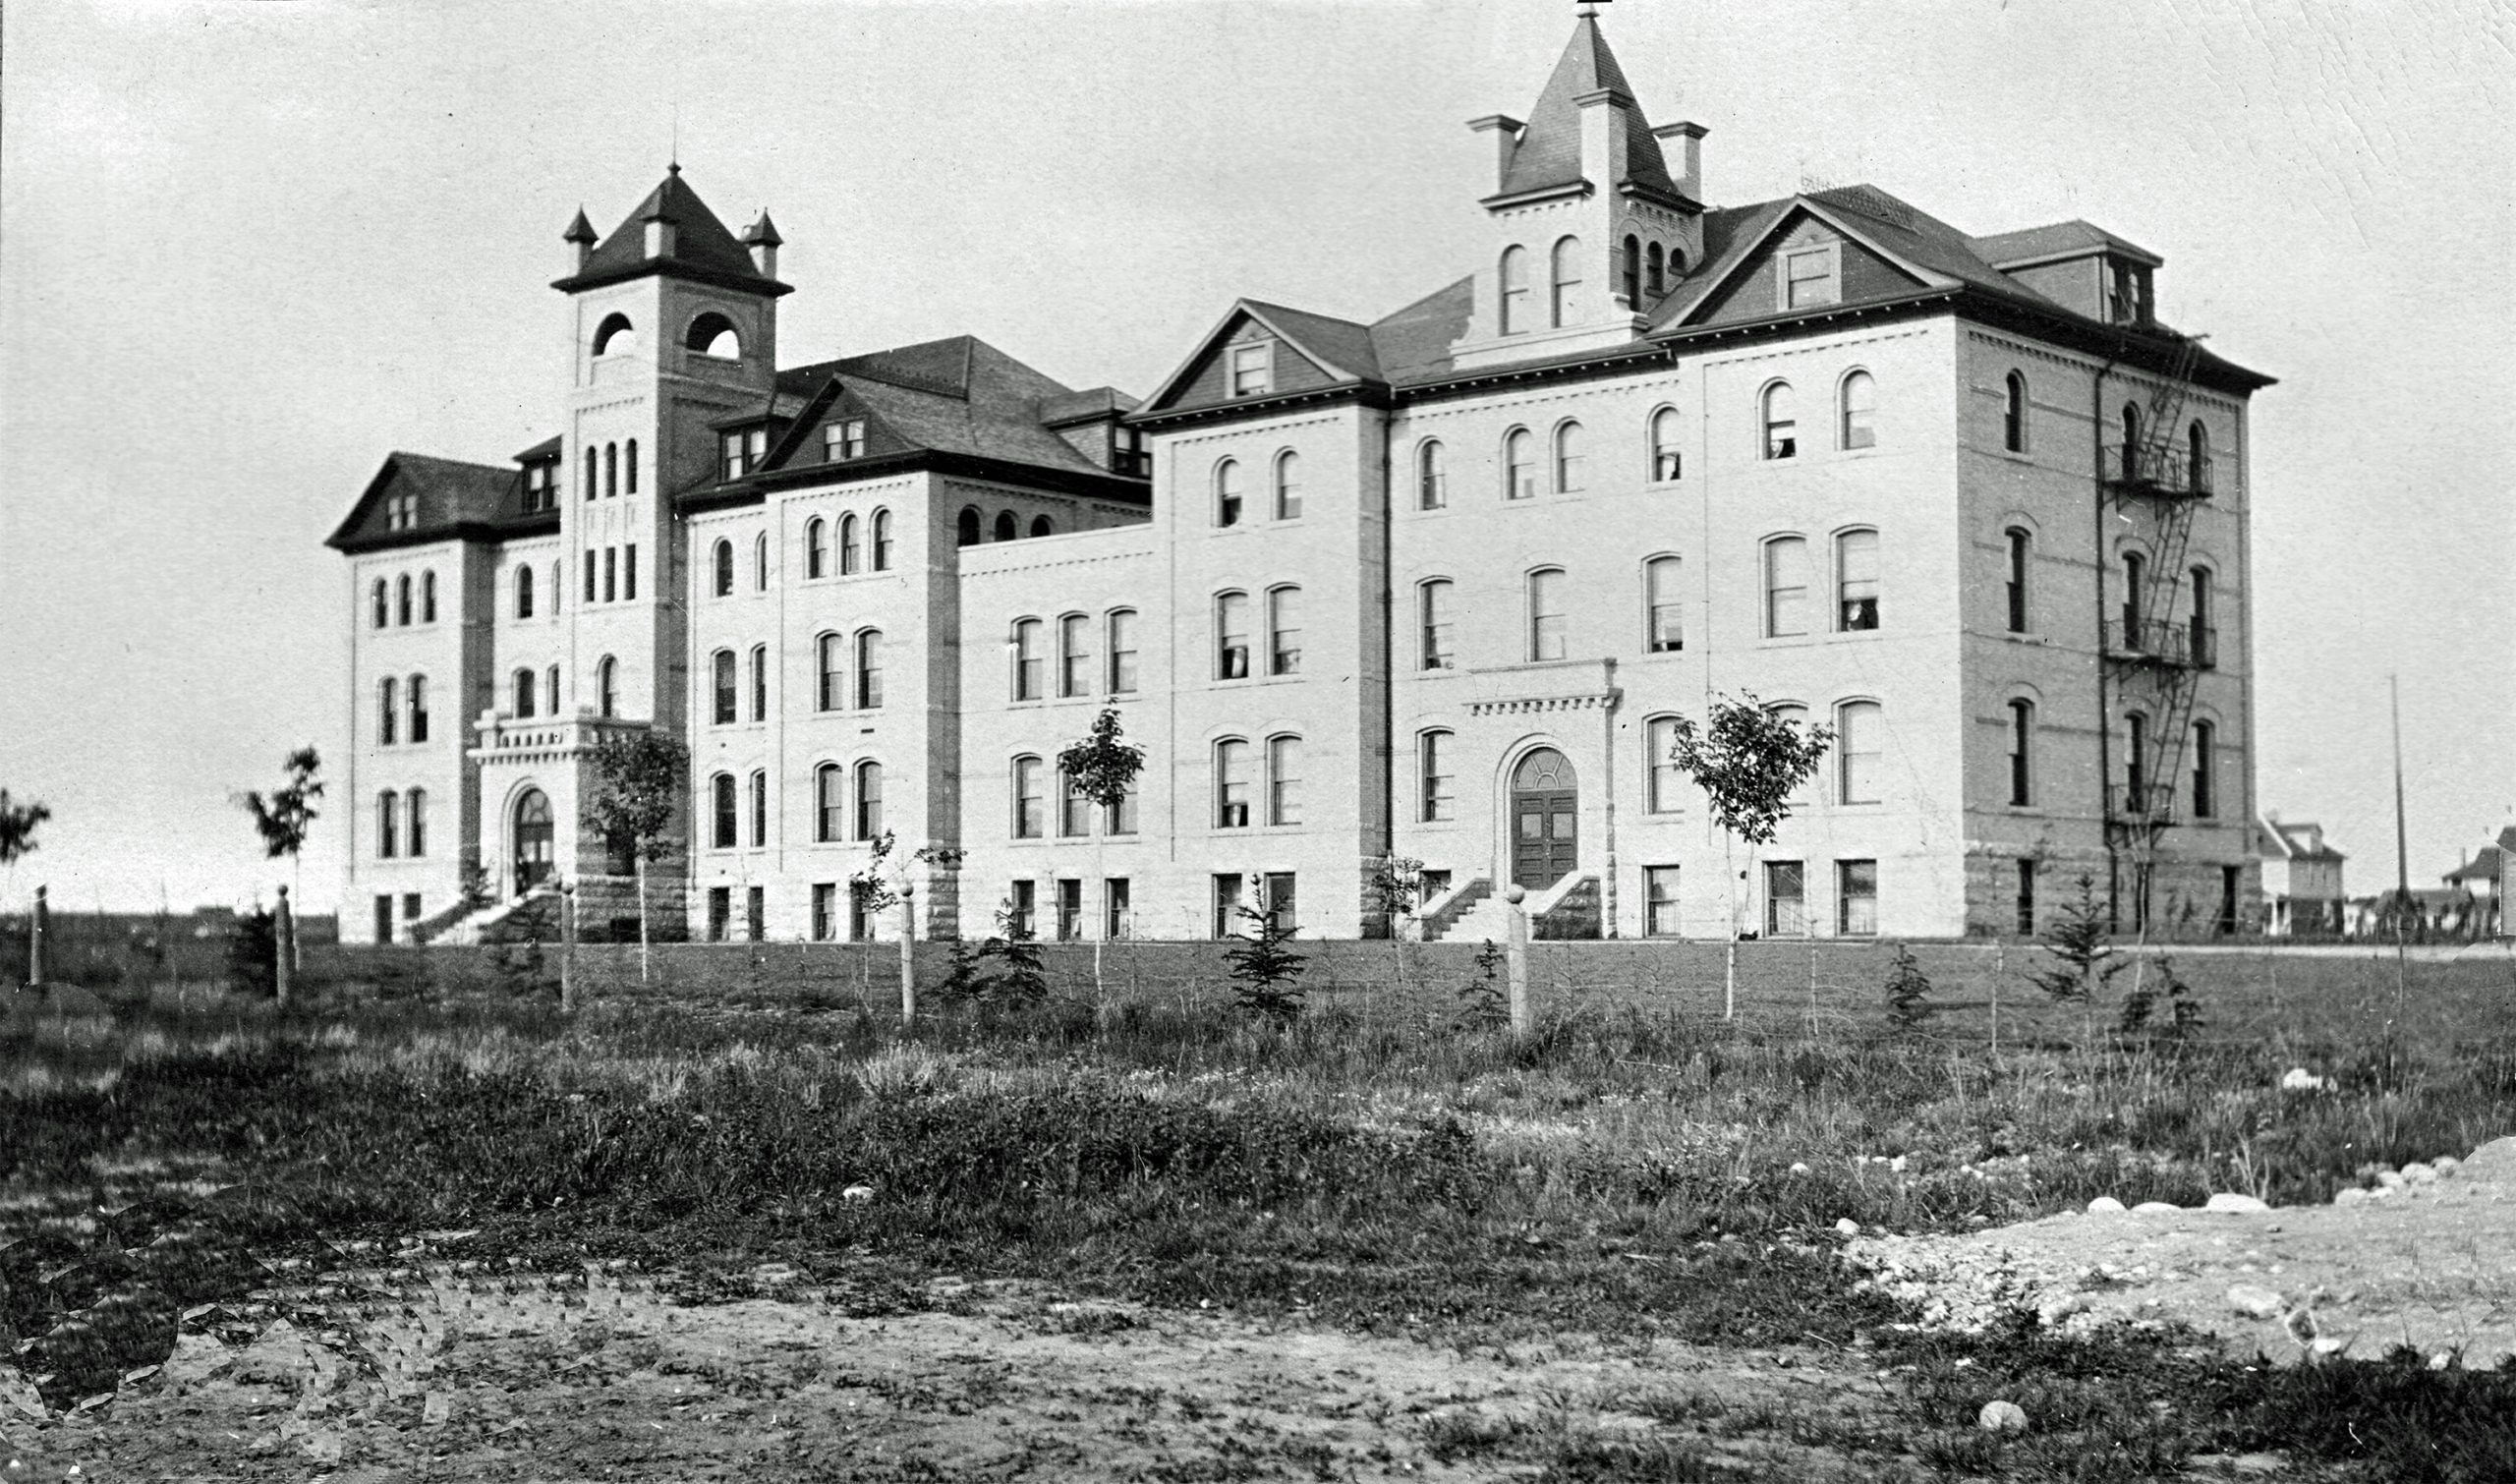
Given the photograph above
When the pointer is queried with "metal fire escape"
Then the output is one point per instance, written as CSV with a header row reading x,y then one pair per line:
x,y
2154,651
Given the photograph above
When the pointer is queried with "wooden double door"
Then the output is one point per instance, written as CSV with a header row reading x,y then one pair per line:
x,y
1545,820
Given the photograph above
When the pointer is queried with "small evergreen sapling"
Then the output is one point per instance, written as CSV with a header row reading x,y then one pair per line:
x,y
1483,1001
1022,979
2084,957
1266,975
1908,993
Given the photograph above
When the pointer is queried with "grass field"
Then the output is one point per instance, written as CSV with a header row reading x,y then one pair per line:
x,y
1627,1173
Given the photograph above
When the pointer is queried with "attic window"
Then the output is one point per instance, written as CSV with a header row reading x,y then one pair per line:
x,y
745,450
1253,368
1812,276
843,440
401,512
540,488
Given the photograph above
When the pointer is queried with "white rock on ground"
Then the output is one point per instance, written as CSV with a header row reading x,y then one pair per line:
x,y
2105,1205
2001,1417
2350,1195
2255,1302
2231,1203
2156,1208
1847,1227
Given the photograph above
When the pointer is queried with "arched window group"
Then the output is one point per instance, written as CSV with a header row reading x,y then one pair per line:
x,y
854,539
832,819
1243,797
402,601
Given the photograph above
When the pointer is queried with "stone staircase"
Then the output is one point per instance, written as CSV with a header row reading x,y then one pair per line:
x,y
1477,912
531,918
1441,915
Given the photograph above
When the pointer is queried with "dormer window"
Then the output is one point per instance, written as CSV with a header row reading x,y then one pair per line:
x,y
1812,276
1253,368
746,449
540,488
402,512
843,440
2127,293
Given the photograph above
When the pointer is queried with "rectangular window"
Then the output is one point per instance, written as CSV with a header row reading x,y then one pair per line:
x,y
759,683
824,910
1252,369
1809,277
1231,786
1433,766
411,905
1284,631
721,912
759,810
1026,908
1231,637
418,812
1069,909
2205,774
723,666
2015,589
1546,614
755,914
1857,740
1123,652
629,573
2022,737
860,912
721,835
1121,816
1074,655
1075,807
589,574
1228,887
1857,577
869,670
612,574
1660,901
1857,899
1283,780
1786,587
1434,603
843,440
1665,781
389,810
1030,803
2025,898
384,918
1116,911
1030,665
1665,623
1279,905
1786,900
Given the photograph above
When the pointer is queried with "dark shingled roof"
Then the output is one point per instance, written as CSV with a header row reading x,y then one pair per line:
x,y
548,448
957,395
1549,151
2053,240
1341,344
1078,406
1414,343
702,247
455,499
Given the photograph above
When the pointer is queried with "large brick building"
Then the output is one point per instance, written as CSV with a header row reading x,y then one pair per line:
x,y
1431,587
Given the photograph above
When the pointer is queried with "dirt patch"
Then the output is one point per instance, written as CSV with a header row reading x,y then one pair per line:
x,y
471,1378
2432,1266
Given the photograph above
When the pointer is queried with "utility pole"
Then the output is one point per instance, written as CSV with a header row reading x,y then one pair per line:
x,y
2402,869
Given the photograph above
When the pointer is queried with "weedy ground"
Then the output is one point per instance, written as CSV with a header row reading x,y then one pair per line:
x,y
1630,1177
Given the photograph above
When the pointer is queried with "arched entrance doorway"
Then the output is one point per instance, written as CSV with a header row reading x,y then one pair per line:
x,y
1545,806
533,848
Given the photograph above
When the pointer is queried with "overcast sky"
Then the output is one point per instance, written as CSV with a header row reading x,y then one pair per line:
x,y
247,248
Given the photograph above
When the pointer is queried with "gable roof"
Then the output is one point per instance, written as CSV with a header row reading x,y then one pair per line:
x,y
701,247
2298,841
2482,866
2006,250
1548,152
1342,349
455,500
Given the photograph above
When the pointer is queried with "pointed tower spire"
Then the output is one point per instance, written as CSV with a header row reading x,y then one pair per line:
x,y
763,240
580,235
671,231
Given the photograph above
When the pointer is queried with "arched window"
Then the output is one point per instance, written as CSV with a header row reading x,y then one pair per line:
x,y
1855,580
1780,421
2196,456
869,670
375,602
830,656
524,693
1433,625
1432,477
1284,631
2206,771
1030,800
1041,524
1565,304
759,809
1793,714
1667,460
1856,413
402,600
1232,784
388,824
1283,780
550,691
1663,624
416,806
593,475
881,541
1007,526
868,800
760,682
760,562
1287,486
1074,806
614,336
2202,634
830,805
1228,493
1572,458
2021,752
1663,782
419,704
1074,654
1436,791
851,550
428,597
1030,664
721,811
724,564
1231,636
388,711
1122,652
2130,441
816,547
1857,737
1519,465
721,667
1632,282
1786,587
629,461
524,592
712,334
2136,763
1653,283
1546,588
1513,275
965,531
611,470
2020,556
606,686
2014,414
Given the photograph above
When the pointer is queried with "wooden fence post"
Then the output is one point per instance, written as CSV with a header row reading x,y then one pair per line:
x,y
38,924
908,955
1515,953
283,950
567,948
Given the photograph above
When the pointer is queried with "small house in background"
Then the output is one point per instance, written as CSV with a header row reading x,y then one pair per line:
x,y
2488,878
214,922
2301,892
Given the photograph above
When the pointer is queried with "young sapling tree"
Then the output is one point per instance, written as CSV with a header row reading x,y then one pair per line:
x,y
1748,762
1101,766
283,819
637,786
